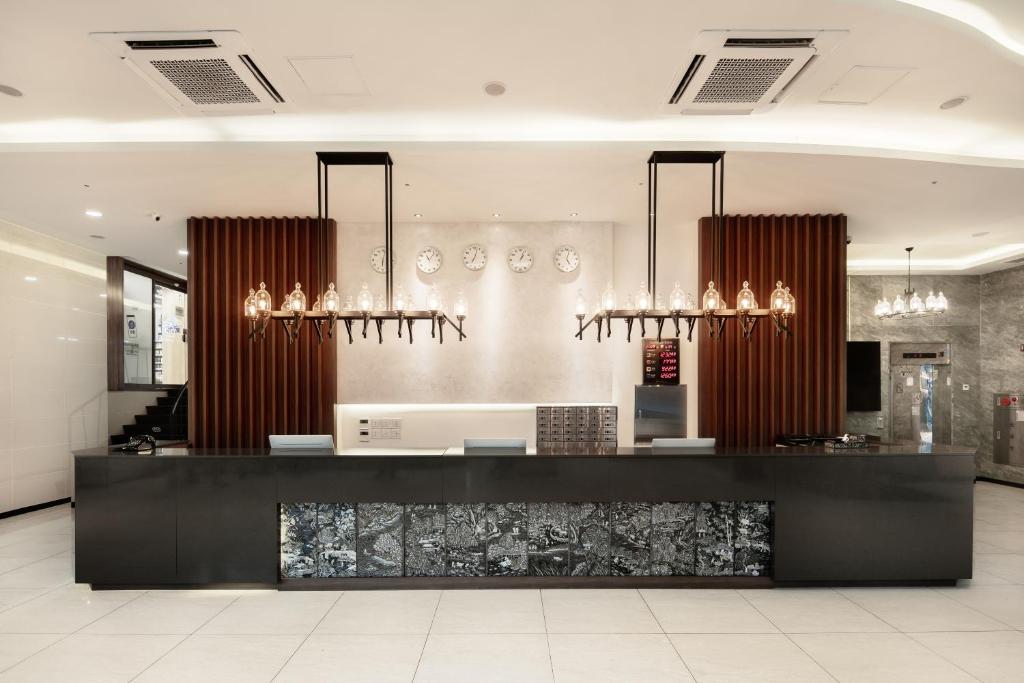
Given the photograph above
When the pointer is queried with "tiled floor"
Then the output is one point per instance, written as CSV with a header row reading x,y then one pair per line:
x,y
54,630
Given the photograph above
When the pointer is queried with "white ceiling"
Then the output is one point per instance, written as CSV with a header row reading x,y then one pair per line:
x,y
586,80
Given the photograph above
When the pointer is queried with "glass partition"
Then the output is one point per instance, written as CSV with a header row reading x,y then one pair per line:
x,y
138,329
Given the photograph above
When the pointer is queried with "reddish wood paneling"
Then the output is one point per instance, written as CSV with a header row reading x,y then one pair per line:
x,y
753,391
242,391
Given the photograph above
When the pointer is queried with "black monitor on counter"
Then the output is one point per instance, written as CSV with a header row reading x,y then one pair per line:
x,y
863,376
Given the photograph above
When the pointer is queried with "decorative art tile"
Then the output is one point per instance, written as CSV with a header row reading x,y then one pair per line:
x,y
379,539
466,539
506,539
336,540
548,529
673,538
298,540
714,530
630,539
753,542
424,540
589,537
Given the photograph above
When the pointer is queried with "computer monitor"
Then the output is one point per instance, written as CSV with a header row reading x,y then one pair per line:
x,y
301,441
683,443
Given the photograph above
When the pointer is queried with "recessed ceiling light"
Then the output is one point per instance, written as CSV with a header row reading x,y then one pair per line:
x,y
31,278
8,90
980,234
496,215
103,296
98,237
955,102
417,215
93,213
574,214
183,252
495,88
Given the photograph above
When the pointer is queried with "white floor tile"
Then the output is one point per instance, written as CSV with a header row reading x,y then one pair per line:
x,y
84,658
878,657
613,658
381,612
505,658
54,571
272,612
814,610
705,611
15,647
995,656
64,610
37,547
746,658
1008,567
489,611
921,609
354,658
1003,541
164,612
597,611
9,597
1004,603
223,659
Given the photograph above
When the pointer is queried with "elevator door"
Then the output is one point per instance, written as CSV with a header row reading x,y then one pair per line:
x,y
921,393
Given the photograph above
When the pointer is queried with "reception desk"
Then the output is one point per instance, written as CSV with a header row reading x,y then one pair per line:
x,y
445,518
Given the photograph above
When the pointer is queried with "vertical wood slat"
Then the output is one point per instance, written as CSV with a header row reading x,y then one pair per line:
x,y
753,391
240,392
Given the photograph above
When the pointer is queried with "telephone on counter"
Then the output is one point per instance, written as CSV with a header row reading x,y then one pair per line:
x,y
140,443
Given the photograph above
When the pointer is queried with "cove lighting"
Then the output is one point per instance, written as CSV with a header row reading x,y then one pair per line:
x,y
93,213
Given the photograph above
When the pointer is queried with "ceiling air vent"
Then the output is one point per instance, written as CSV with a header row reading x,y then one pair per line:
x,y
743,72
198,72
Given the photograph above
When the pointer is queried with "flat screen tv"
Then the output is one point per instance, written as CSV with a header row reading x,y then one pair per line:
x,y
863,376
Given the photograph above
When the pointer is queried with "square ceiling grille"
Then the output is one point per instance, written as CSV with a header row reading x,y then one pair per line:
x,y
741,80
206,81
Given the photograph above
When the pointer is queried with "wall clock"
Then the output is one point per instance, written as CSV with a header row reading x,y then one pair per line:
x,y
474,257
567,259
429,260
520,259
377,260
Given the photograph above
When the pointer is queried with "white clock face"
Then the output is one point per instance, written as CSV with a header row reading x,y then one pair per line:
x,y
377,259
474,257
429,260
567,259
520,259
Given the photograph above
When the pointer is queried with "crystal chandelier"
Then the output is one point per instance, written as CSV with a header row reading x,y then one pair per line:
x,y
909,304
647,305
328,308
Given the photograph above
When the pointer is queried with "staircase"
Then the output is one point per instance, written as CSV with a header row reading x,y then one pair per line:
x,y
165,421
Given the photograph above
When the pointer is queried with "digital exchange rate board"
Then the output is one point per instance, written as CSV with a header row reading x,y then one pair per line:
x,y
661,361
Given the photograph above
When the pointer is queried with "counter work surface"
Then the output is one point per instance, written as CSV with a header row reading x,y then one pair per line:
x,y
901,449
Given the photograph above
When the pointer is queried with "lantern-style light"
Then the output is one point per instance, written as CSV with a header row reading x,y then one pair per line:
x,y
608,298
899,305
745,300
643,297
778,298
364,300
677,299
940,302
581,303
712,300
400,302
433,300
916,304
332,300
461,306
250,305
263,304
296,301
790,303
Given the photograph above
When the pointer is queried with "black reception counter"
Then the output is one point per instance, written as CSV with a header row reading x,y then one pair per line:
x,y
442,517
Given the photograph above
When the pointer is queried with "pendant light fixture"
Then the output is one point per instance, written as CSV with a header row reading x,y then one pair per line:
x,y
328,308
648,304
909,304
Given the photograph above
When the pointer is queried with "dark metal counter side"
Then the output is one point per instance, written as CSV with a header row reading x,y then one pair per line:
x,y
175,517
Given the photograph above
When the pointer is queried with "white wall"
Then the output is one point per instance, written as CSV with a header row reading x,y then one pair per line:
x,y
52,363
520,348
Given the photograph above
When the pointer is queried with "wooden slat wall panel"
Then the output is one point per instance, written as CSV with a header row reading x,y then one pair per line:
x,y
240,392
751,392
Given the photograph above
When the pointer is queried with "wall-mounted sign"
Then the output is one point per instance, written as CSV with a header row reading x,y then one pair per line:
x,y
661,361
133,332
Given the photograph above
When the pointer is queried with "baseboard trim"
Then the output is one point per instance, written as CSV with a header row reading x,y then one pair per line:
x,y
991,480
33,508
